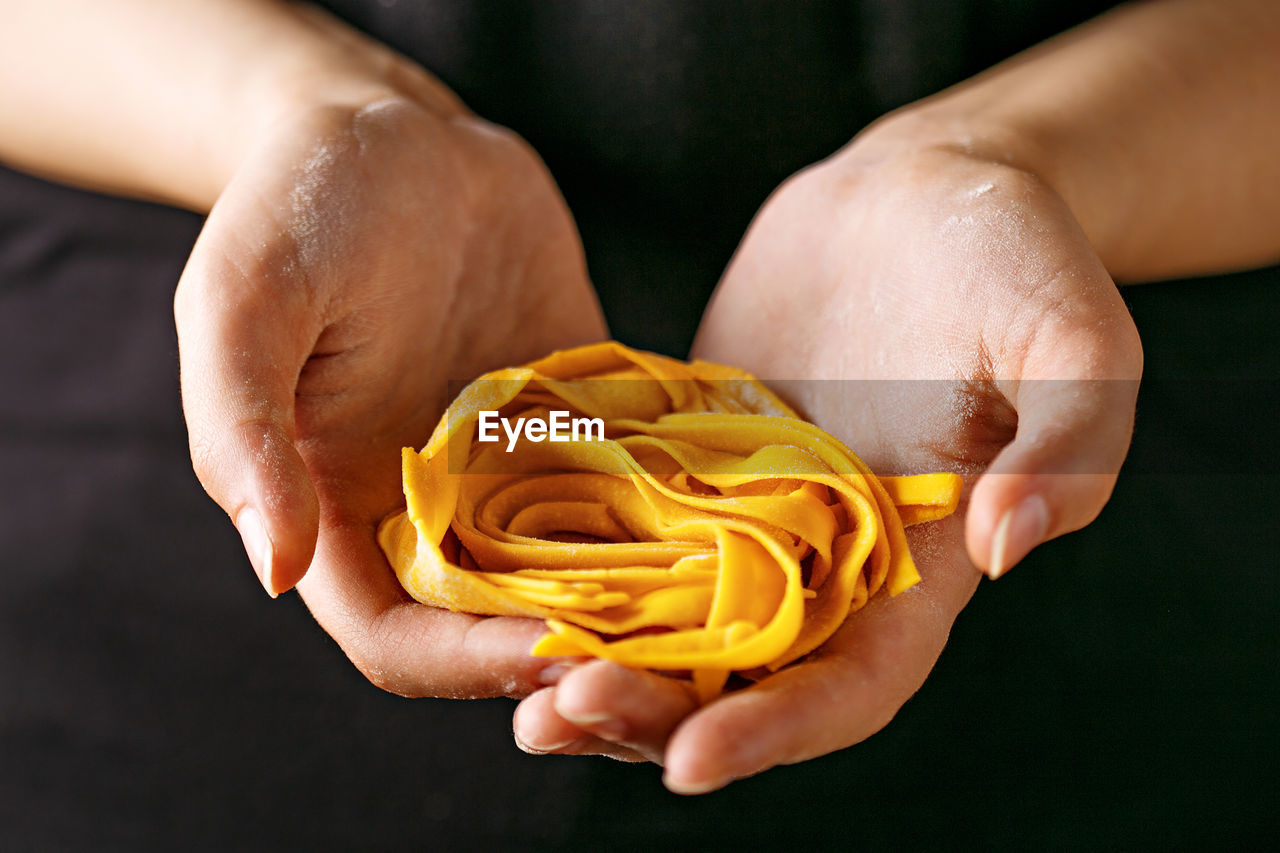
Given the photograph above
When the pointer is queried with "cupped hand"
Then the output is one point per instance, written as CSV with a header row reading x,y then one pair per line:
x,y
359,260
937,309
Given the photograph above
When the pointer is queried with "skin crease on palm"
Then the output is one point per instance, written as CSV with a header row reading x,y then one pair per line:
x,y
936,266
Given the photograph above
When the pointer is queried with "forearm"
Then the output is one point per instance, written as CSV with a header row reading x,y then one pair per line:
x,y
162,99
1157,123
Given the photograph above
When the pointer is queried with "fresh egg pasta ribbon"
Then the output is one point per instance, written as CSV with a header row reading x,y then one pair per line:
x,y
706,529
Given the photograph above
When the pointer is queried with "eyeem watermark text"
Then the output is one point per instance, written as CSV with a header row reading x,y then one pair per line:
x,y
558,426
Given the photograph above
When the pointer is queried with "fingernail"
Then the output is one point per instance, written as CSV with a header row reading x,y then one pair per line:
x,y
541,749
752,756
257,544
1020,529
676,786
604,726
553,673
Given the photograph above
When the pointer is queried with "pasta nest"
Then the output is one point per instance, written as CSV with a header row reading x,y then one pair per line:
x,y
710,530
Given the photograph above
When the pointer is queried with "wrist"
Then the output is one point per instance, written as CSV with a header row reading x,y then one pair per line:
x,y
959,125
925,127
324,73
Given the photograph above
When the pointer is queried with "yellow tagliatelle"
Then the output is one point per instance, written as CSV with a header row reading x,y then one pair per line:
x,y
711,530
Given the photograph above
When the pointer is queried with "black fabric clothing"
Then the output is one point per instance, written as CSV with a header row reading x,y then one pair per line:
x,y
667,122
1118,689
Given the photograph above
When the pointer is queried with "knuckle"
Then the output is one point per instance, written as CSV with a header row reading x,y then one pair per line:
x,y
502,148
374,667
203,460
811,183
380,677
219,455
376,651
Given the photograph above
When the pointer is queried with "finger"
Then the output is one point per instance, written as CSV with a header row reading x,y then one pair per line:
x,y
539,730
623,707
1056,474
408,648
242,342
842,694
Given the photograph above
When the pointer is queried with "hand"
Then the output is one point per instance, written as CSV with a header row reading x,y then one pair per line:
x,y
358,260
893,262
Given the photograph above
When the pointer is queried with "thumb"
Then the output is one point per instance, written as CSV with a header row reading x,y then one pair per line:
x,y
1056,474
241,353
